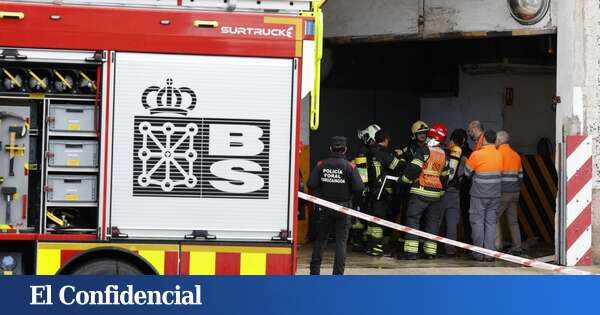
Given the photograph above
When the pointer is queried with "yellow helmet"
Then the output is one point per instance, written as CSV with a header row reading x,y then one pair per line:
x,y
418,126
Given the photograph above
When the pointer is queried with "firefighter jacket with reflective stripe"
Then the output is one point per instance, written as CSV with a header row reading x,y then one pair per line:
x,y
427,173
382,163
361,160
335,179
512,171
485,166
456,167
408,153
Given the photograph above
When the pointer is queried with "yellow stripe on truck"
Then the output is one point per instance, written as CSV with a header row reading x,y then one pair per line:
x,y
48,261
202,263
156,258
253,264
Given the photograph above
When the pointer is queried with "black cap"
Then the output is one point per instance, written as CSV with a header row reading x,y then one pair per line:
x,y
338,142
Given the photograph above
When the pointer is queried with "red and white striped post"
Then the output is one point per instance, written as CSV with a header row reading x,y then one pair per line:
x,y
578,199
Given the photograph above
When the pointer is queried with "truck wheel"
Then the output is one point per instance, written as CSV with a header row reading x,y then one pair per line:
x,y
107,267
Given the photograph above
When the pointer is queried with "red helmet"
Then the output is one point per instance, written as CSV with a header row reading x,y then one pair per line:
x,y
438,132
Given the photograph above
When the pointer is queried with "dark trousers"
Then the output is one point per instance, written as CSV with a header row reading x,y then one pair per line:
x,y
417,207
341,223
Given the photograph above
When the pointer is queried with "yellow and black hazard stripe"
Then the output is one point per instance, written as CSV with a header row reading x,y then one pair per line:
x,y
537,203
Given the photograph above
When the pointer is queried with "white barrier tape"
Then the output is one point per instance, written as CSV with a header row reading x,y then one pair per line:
x,y
515,259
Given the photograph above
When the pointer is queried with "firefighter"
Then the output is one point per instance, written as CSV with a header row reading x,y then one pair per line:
x,y
357,230
337,180
418,141
427,174
475,132
512,175
485,167
383,162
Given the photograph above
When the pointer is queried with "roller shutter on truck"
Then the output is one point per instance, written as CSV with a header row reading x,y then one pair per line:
x,y
201,143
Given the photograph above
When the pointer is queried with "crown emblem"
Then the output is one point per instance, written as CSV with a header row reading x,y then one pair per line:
x,y
169,100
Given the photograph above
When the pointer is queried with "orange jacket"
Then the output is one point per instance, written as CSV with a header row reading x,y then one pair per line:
x,y
485,165
512,170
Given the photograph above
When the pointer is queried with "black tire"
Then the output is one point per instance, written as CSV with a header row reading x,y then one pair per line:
x,y
107,267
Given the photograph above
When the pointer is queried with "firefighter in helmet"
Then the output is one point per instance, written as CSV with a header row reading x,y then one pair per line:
x,y
427,174
418,141
361,160
382,162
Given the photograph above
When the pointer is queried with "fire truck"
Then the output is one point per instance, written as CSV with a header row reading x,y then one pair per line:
x,y
153,136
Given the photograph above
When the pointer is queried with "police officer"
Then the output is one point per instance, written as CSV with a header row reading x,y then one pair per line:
x,y
336,180
382,163
427,174
361,160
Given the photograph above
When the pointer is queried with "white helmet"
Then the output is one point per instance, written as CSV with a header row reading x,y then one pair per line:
x,y
368,134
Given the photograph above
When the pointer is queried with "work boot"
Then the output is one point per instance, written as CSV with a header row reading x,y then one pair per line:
x,y
516,252
406,256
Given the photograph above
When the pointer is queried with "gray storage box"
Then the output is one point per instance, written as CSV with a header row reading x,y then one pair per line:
x,y
72,188
72,153
71,117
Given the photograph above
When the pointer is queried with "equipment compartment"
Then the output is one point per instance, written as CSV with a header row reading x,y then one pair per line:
x,y
71,117
72,153
72,188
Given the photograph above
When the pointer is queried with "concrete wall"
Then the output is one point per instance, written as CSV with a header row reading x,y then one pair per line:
x,y
359,18
481,97
578,85
587,41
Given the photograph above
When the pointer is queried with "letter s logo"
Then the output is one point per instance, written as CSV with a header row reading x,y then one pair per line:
x,y
226,169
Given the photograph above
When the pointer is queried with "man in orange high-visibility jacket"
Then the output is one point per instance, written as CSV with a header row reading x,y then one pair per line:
x,y
475,132
512,175
485,166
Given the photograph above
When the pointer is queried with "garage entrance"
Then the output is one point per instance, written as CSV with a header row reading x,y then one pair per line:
x,y
504,82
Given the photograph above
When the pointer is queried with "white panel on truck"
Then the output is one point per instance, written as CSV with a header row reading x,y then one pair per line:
x,y
202,143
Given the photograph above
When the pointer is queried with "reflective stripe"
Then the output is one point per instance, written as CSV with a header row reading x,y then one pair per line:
x,y
364,174
377,232
426,193
406,180
488,174
487,181
394,163
411,246
360,160
430,247
416,162
377,167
